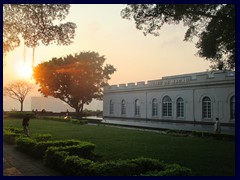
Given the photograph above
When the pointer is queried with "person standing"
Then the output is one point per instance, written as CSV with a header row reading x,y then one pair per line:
x,y
217,127
25,124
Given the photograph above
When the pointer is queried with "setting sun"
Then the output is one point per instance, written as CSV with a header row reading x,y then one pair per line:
x,y
25,70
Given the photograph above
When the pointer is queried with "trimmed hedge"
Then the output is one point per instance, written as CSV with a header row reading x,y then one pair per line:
x,y
170,170
76,166
17,114
128,167
76,158
42,137
55,159
10,137
26,145
10,134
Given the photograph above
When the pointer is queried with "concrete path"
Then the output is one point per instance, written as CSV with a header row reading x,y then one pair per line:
x,y
16,163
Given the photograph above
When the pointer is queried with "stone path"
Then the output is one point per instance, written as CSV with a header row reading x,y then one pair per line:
x,y
16,163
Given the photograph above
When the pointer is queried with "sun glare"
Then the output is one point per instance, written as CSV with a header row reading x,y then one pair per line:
x,y
25,70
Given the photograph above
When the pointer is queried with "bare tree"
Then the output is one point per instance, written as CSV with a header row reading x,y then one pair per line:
x,y
18,90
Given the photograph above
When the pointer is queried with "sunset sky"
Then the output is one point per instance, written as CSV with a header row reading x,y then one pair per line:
x,y
136,57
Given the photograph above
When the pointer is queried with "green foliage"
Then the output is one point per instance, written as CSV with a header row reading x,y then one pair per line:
x,y
10,137
212,24
42,137
75,80
26,145
75,166
82,149
114,143
170,170
36,23
128,167
71,165
41,147
55,159
14,129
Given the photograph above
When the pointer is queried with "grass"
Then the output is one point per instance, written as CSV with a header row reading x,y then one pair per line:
x,y
205,156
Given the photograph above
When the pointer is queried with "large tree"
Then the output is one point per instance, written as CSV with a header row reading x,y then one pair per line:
x,y
75,80
212,24
18,90
36,23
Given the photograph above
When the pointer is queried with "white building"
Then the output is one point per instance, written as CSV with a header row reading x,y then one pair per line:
x,y
187,102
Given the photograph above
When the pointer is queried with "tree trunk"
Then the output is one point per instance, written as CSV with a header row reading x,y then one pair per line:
x,y
21,105
79,110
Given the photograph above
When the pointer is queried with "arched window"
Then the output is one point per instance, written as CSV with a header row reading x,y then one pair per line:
x,y
206,108
123,107
232,107
137,107
111,110
180,108
167,106
154,107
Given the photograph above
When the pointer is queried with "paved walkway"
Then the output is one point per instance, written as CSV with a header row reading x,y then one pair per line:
x,y
16,163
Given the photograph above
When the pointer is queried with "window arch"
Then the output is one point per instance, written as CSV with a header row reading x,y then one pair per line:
x,y
123,107
206,108
154,107
111,108
167,106
137,107
232,107
180,108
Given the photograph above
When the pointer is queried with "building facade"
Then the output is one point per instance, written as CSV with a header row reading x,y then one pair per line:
x,y
190,99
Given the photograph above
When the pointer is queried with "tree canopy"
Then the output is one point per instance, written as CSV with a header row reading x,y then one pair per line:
x,y
18,90
36,23
212,24
75,80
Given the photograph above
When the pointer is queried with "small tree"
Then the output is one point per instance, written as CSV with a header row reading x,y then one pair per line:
x,y
75,80
18,90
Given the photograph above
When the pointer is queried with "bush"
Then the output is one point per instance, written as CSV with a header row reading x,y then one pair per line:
x,y
55,159
41,147
128,167
26,145
82,149
10,137
14,129
170,170
42,137
75,166
18,114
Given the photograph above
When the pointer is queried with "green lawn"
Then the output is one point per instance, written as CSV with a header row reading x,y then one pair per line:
x,y
205,156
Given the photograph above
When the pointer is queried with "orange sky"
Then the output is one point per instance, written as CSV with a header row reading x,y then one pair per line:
x,y
136,57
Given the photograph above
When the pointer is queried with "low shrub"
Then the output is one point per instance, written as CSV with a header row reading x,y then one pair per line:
x,y
170,170
128,167
82,149
17,114
55,159
42,137
26,145
73,165
14,129
41,147
10,137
